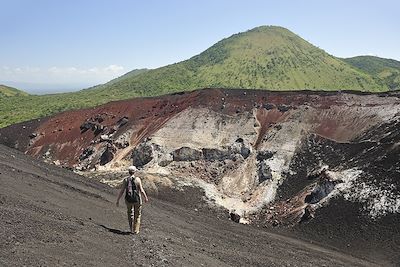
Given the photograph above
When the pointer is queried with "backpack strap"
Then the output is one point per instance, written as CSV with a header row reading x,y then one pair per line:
x,y
133,178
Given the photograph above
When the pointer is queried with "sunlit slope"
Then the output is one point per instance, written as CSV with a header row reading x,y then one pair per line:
x,y
7,91
388,70
266,57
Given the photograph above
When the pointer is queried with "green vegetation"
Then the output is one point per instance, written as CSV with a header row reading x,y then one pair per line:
x,y
387,70
266,57
6,91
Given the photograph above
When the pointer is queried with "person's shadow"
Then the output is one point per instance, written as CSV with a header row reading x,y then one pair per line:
x,y
115,231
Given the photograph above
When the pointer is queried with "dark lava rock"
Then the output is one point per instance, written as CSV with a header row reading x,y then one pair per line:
x,y
142,154
262,155
234,217
212,154
112,130
245,152
121,144
98,118
86,126
264,172
186,154
107,155
232,153
283,108
164,163
268,106
98,128
124,120
320,191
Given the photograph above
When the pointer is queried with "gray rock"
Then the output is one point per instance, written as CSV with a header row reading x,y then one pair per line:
x,y
234,217
86,126
245,152
212,154
98,128
186,154
123,140
264,172
107,155
268,106
283,108
320,191
124,120
142,154
263,155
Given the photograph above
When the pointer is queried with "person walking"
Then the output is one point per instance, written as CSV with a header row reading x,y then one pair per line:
x,y
132,186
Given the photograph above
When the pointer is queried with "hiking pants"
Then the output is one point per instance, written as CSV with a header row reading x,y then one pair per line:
x,y
136,209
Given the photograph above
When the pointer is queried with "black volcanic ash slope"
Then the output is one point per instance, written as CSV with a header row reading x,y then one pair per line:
x,y
51,216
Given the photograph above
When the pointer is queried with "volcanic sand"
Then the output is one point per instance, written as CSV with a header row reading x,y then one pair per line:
x,y
51,216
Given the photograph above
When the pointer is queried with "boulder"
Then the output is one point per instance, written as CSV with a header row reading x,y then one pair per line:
x,y
245,151
234,217
320,191
186,154
212,154
283,108
98,128
123,140
239,140
107,155
268,106
264,172
104,137
121,122
98,118
86,126
263,155
142,154
165,160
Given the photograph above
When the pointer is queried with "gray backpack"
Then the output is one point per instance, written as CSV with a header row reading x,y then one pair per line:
x,y
133,196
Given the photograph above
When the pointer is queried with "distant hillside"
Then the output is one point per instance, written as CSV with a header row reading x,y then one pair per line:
x,y
6,91
127,75
388,70
266,57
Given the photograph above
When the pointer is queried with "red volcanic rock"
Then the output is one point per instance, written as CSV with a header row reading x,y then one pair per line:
x,y
146,115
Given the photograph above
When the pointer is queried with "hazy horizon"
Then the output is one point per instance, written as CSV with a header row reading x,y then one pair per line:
x,y
47,88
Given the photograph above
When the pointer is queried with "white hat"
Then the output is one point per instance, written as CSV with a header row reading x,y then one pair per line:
x,y
132,168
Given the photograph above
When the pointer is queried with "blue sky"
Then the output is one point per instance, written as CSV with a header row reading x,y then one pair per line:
x,y
64,45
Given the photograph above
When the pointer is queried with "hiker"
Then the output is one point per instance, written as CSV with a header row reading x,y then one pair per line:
x,y
132,185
